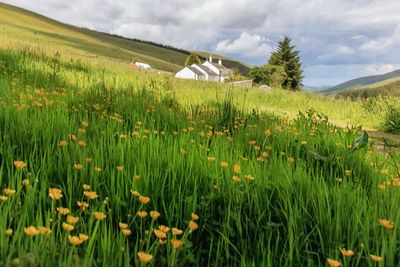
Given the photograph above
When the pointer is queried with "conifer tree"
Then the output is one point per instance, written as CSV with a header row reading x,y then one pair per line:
x,y
287,57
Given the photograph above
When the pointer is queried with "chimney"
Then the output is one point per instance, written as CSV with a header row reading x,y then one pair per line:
x,y
220,62
210,58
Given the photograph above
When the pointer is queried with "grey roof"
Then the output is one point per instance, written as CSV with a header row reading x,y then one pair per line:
x,y
224,70
206,69
195,70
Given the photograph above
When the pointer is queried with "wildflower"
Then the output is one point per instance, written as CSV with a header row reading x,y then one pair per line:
x,y
88,159
347,253
253,142
83,237
236,179
154,214
86,187
386,223
31,231
63,211
9,232
68,227
216,186
376,258
224,164
62,143
72,219
84,123
99,215
123,225
264,154
384,171
25,182
267,133
144,200
120,168
55,193
44,230
163,228
249,177
72,137
160,234
144,257
97,169
75,240
303,142
333,263
177,231
126,232
83,205
136,177
135,193
194,216
8,191
3,198
348,172
19,164
290,159
382,186
211,159
236,168
78,166
175,243
257,148
193,225
90,194
162,241
142,214
82,143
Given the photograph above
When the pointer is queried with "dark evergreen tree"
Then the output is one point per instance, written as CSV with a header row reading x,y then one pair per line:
x,y
287,57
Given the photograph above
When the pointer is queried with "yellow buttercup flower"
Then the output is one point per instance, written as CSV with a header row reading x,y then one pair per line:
x,y
144,200
9,232
55,193
19,164
62,143
163,228
99,215
177,231
386,223
97,169
142,214
193,225
90,194
347,253
162,241
83,205
224,164
83,237
236,168
78,166
211,159
72,219
175,243
144,257
31,231
333,263
375,258
123,225
160,234
8,191
236,179
68,227
3,198
194,216
135,193
126,232
25,182
44,230
82,143
86,187
154,214
120,168
249,177
75,240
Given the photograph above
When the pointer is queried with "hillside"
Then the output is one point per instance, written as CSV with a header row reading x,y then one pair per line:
x,y
23,28
370,81
387,88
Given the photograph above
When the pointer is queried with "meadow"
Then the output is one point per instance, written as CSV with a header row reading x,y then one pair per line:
x,y
102,165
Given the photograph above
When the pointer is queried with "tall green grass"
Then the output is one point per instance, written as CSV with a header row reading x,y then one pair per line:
x,y
269,191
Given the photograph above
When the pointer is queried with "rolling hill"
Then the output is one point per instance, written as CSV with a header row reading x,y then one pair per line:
x,y
368,81
26,29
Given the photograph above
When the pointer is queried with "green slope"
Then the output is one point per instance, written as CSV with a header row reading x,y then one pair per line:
x,y
23,28
363,82
389,87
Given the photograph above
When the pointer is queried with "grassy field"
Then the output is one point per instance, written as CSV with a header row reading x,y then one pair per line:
x,y
107,166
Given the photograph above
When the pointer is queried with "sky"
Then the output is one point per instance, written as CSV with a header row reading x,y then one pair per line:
x,y
338,40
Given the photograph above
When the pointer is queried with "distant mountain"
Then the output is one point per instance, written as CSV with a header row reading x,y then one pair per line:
x,y
363,82
33,30
315,88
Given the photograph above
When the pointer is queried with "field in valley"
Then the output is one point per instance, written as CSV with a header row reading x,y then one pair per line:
x,y
102,165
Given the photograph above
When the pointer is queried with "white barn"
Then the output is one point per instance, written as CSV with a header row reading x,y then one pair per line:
x,y
142,65
208,71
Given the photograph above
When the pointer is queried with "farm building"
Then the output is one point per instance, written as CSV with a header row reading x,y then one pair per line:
x,y
142,65
208,71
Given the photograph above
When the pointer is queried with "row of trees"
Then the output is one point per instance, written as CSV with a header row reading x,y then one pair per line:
x,y
283,69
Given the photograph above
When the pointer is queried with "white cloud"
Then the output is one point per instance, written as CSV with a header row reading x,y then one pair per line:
x,y
247,45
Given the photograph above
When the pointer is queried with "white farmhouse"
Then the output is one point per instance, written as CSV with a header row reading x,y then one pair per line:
x,y
208,71
142,65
